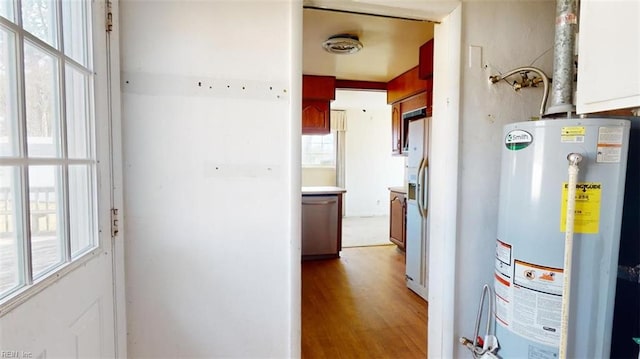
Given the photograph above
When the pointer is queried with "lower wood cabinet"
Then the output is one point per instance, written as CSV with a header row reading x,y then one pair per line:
x,y
398,218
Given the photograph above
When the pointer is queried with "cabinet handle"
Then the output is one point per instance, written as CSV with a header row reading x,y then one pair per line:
x,y
319,203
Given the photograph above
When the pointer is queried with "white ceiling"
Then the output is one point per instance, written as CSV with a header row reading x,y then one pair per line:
x,y
390,45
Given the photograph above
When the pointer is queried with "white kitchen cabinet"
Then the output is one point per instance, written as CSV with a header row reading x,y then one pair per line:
x,y
608,55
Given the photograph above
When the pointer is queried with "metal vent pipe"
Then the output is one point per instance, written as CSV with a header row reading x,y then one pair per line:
x,y
563,66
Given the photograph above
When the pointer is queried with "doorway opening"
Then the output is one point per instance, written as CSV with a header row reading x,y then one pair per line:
x,y
363,293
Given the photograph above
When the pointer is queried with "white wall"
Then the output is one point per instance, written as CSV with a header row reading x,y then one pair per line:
x,y
510,34
212,186
370,169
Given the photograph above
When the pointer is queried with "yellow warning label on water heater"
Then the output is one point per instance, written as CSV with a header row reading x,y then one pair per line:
x,y
587,210
573,134
574,131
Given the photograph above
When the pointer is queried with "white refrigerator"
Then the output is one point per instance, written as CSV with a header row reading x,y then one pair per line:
x,y
417,244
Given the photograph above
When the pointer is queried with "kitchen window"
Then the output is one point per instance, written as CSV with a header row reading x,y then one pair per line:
x,y
319,150
48,185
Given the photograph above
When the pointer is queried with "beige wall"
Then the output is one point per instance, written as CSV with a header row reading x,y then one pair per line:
x,y
318,176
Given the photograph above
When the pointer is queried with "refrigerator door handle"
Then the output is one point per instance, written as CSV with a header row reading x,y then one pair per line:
x,y
421,188
425,187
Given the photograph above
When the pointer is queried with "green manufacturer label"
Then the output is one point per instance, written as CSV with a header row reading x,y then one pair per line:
x,y
517,140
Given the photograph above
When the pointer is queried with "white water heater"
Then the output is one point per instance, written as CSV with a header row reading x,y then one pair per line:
x,y
529,260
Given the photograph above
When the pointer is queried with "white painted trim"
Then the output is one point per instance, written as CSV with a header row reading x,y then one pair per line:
x,y
444,174
295,177
16,161
117,200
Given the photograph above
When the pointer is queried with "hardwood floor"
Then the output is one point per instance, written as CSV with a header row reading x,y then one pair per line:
x,y
358,306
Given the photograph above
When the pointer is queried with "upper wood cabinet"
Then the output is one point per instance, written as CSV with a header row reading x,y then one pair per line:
x,y
415,80
400,126
318,87
407,85
396,129
425,67
608,56
317,94
416,102
315,117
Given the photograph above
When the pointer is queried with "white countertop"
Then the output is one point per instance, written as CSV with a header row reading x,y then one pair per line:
x,y
323,190
400,189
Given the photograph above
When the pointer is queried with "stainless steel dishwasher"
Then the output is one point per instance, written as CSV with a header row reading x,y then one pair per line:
x,y
321,226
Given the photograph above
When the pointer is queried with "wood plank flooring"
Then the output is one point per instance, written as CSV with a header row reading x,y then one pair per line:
x,y
358,306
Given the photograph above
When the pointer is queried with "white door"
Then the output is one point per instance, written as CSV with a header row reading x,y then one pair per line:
x,y
56,271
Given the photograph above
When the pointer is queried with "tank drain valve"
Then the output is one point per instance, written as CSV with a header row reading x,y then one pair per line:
x,y
483,349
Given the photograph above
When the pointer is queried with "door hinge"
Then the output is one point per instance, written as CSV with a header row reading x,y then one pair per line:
x,y
114,222
109,22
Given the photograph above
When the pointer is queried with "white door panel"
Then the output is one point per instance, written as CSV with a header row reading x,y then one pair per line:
x,y
70,314
72,318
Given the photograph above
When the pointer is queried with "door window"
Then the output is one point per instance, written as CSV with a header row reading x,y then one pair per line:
x,y
48,166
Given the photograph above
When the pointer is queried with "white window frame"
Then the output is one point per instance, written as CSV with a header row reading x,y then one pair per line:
x,y
99,159
334,144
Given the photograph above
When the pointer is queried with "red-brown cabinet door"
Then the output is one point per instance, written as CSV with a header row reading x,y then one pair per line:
x,y
315,117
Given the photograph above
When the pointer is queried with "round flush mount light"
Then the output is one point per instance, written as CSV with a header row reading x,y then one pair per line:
x,y
342,44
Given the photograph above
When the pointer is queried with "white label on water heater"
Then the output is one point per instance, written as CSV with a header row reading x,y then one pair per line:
x,y
535,303
502,289
609,144
503,252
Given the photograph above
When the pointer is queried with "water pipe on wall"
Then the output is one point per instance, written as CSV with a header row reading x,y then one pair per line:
x,y
486,346
527,82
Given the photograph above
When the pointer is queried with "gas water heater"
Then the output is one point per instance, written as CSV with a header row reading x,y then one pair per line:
x,y
530,244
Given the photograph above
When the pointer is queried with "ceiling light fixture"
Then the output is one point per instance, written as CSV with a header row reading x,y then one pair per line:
x,y
343,44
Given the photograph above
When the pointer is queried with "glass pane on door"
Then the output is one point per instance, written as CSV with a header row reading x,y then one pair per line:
x,y
8,95
81,203
47,233
42,100
79,117
11,234
6,9
76,30
39,18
